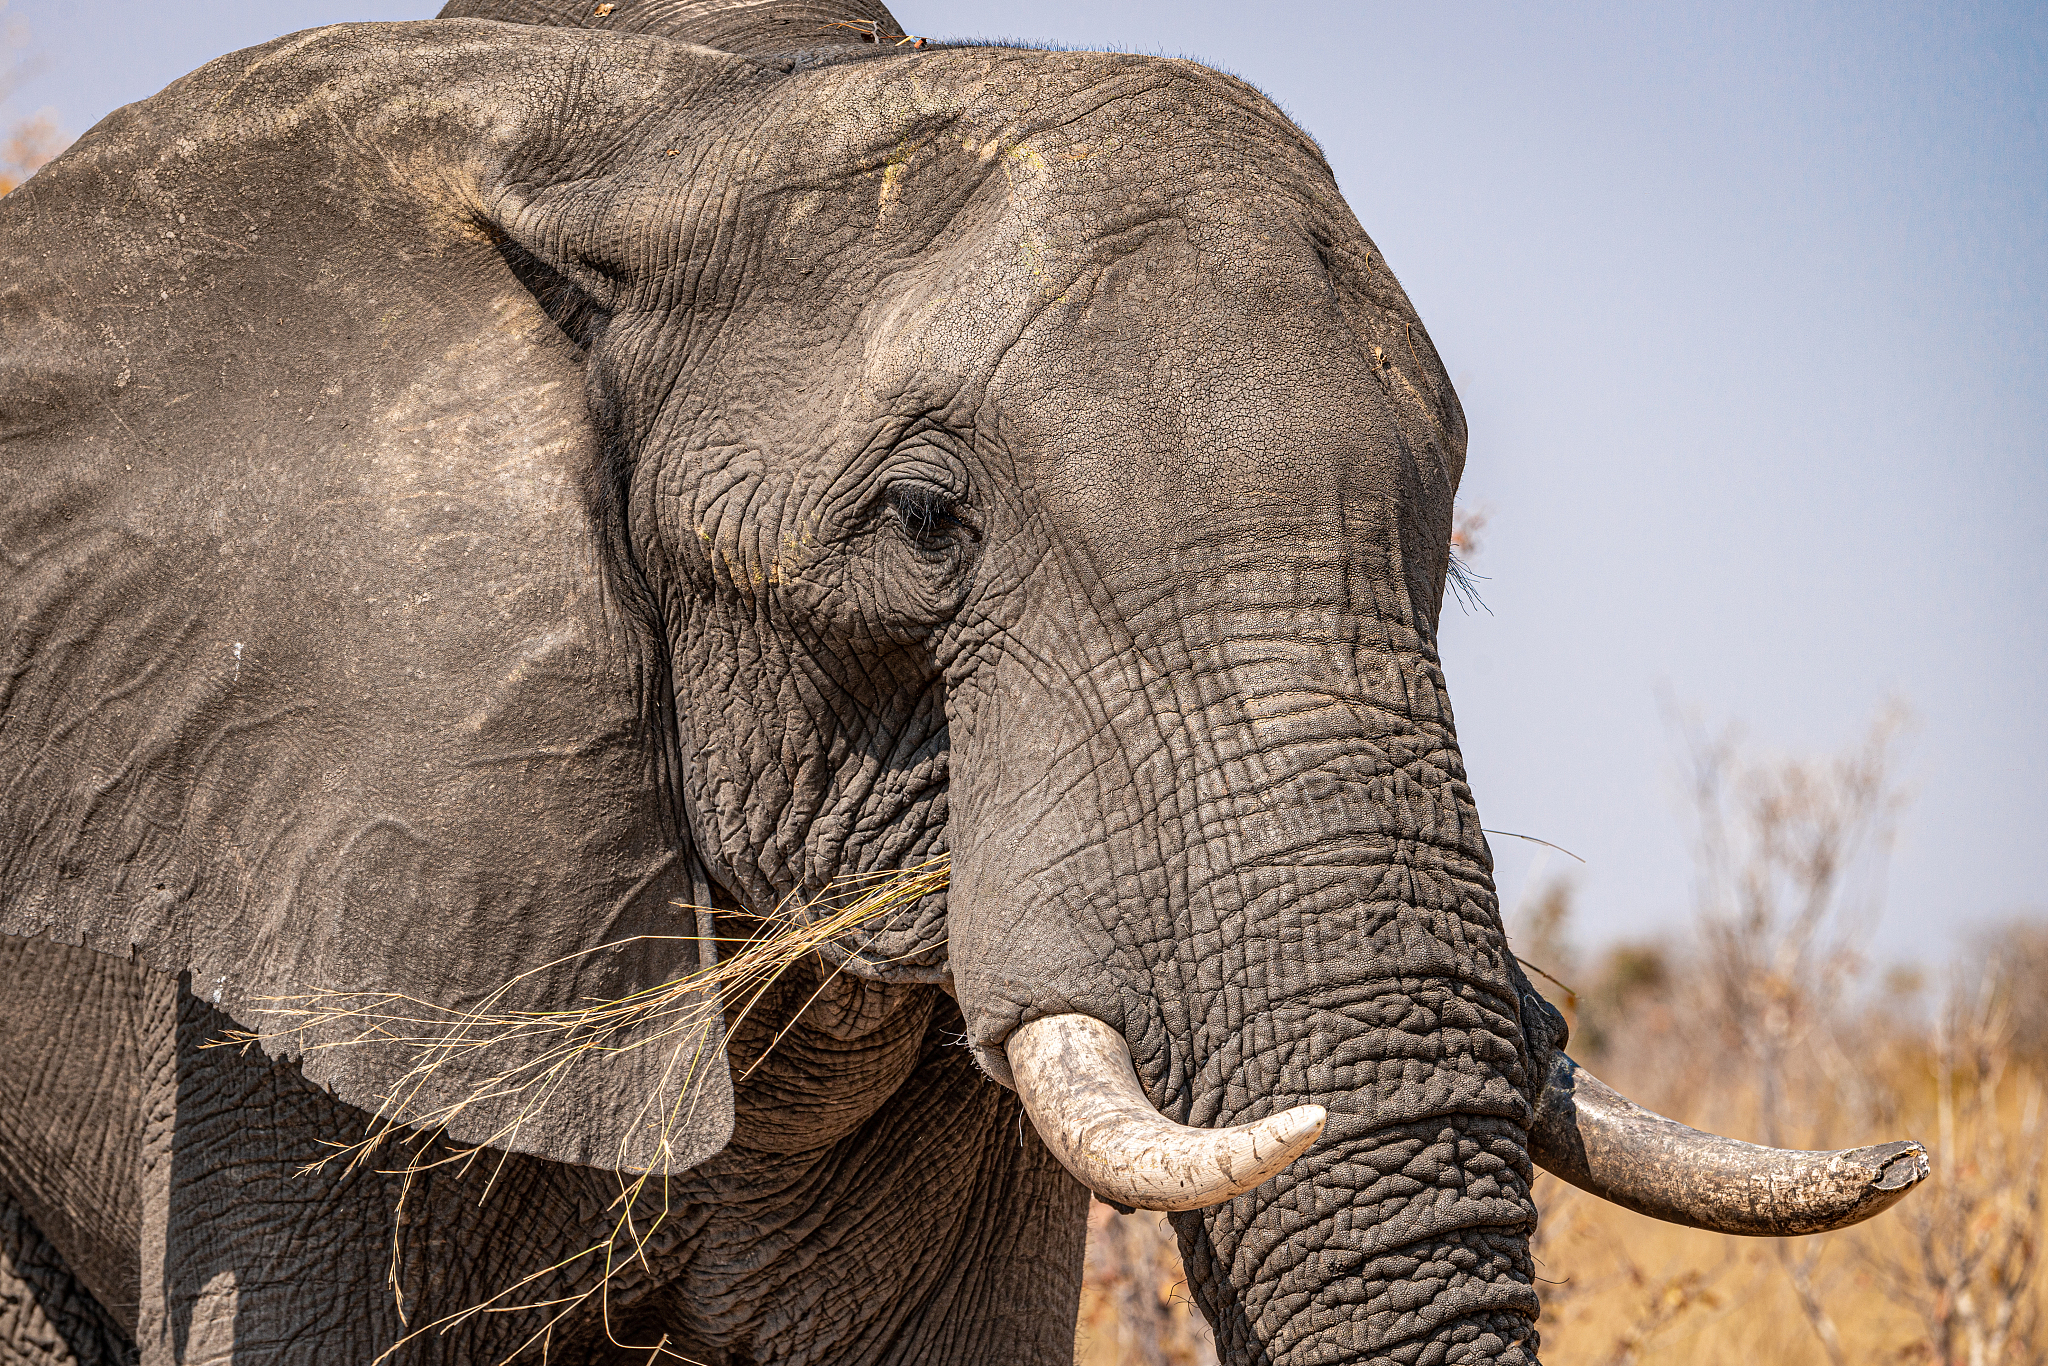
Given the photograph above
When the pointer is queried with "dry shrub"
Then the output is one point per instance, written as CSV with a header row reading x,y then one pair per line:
x,y
28,143
1966,1255
1951,1277
1768,1024
1135,1307
2015,961
1789,852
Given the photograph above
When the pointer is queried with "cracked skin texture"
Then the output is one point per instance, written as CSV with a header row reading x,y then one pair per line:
x,y
464,477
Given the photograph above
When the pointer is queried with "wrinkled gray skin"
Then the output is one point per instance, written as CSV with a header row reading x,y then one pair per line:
x,y
470,484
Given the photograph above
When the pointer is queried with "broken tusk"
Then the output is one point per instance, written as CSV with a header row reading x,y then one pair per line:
x,y
1600,1141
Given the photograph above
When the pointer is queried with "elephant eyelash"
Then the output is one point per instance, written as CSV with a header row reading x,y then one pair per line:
x,y
928,515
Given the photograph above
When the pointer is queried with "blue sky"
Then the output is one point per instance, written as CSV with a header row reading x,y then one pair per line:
x,y
1748,307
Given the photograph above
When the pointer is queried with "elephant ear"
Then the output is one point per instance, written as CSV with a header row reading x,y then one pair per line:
x,y
330,673
733,25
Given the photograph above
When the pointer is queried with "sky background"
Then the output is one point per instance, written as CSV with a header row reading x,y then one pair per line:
x,y
1748,308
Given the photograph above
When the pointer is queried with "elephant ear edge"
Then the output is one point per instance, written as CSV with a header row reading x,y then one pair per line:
x,y
326,676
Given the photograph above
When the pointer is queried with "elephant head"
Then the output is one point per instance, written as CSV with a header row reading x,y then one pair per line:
x,y
475,486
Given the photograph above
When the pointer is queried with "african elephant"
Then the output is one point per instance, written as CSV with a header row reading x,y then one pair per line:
x,y
479,489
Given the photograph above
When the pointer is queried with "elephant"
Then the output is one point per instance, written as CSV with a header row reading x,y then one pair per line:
x,y
524,509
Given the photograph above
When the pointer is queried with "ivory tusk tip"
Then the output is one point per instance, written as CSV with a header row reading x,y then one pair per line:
x,y
1297,1128
1075,1078
1900,1166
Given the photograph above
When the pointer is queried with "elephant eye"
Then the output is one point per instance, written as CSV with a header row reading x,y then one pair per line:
x,y
928,514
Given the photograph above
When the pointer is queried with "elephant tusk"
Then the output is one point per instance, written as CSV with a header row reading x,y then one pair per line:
x,y
1074,1075
1600,1141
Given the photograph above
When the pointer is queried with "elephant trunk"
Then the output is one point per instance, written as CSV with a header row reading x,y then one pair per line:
x,y
1247,850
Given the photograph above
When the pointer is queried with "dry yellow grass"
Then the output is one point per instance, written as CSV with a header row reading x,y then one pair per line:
x,y
1950,1276
674,1018
1954,1276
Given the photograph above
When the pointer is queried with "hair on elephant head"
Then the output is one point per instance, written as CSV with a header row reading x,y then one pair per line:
x,y
478,488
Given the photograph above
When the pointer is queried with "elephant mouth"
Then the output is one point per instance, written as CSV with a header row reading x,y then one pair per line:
x,y
1075,1077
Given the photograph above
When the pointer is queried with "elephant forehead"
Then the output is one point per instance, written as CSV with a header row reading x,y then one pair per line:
x,y
977,187
1076,108
917,215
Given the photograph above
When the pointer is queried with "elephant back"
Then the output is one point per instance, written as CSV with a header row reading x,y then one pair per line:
x,y
734,25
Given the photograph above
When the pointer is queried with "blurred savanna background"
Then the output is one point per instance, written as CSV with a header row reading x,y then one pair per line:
x,y
1748,308
26,140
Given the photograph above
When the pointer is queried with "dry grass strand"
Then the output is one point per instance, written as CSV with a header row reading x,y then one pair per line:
x,y
678,1015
